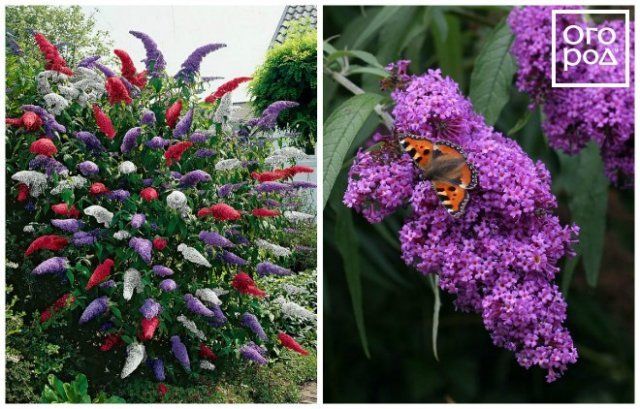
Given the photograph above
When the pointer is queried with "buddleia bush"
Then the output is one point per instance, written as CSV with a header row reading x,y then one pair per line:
x,y
289,72
143,223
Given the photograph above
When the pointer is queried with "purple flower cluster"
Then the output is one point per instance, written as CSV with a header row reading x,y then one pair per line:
x,y
105,70
270,115
143,247
168,285
48,164
500,257
83,238
271,187
148,117
575,116
191,66
194,177
130,139
251,321
226,190
255,353
218,319
96,308
183,125
232,258
120,195
53,265
88,168
180,352
196,306
154,60
157,367
158,142
215,239
91,141
204,153
137,220
151,308
162,271
88,62
68,225
266,268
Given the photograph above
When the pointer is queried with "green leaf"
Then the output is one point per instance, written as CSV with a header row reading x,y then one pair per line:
x,y
339,131
449,48
347,244
356,69
522,122
362,55
384,15
492,74
433,282
582,177
438,17
82,383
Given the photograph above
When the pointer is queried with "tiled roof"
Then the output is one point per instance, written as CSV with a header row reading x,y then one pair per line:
x,y
292,13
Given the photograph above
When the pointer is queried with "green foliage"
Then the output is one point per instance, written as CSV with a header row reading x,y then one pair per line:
x,y
289,73
471,45
77,391
68,26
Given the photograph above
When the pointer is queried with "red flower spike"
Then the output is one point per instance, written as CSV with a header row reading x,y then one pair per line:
x,y
269,176
43,146
149,194
98,188
47,242
62,302
128,69
63,209
207,353
263,212
149,327
117,91
290,343
45,316
174,152
245,285
23,192
100,274
224,212
111,341
29,120
226,88
173,113
53,60
162,390
294,170
103,122
159,243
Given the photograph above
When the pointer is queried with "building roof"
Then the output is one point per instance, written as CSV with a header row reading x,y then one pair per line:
x,y
292,13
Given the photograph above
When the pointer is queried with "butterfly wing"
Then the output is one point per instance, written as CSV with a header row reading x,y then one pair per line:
x,y
420,150
453,197
466,174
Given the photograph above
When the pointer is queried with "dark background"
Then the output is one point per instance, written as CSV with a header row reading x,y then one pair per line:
x,y
398,302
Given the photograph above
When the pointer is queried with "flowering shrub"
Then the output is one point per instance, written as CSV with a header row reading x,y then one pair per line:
x,y
574,116
141,219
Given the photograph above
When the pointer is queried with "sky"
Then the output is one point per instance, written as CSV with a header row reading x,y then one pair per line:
x,y
178,30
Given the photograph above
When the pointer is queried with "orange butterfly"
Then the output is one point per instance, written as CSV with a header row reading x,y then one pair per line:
x,y
446,166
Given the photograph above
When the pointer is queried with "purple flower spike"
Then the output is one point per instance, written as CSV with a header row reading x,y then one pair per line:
x,y
88,168
205,153
198,137
105,70
120,195
194,177
270,115
137,220
151,308
90,141
196,306
162,271
130,140
49,165
148,117
88,62
53,265
251,321
154,61
182,127
191,66
218,318
232,258
107,284
267,268
168,285
157,367
96,308
82,238
180,352
226,190
143,247
270,187
253,352
158,142
68,225
214,239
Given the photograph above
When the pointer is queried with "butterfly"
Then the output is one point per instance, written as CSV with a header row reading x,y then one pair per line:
x,y
445,164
